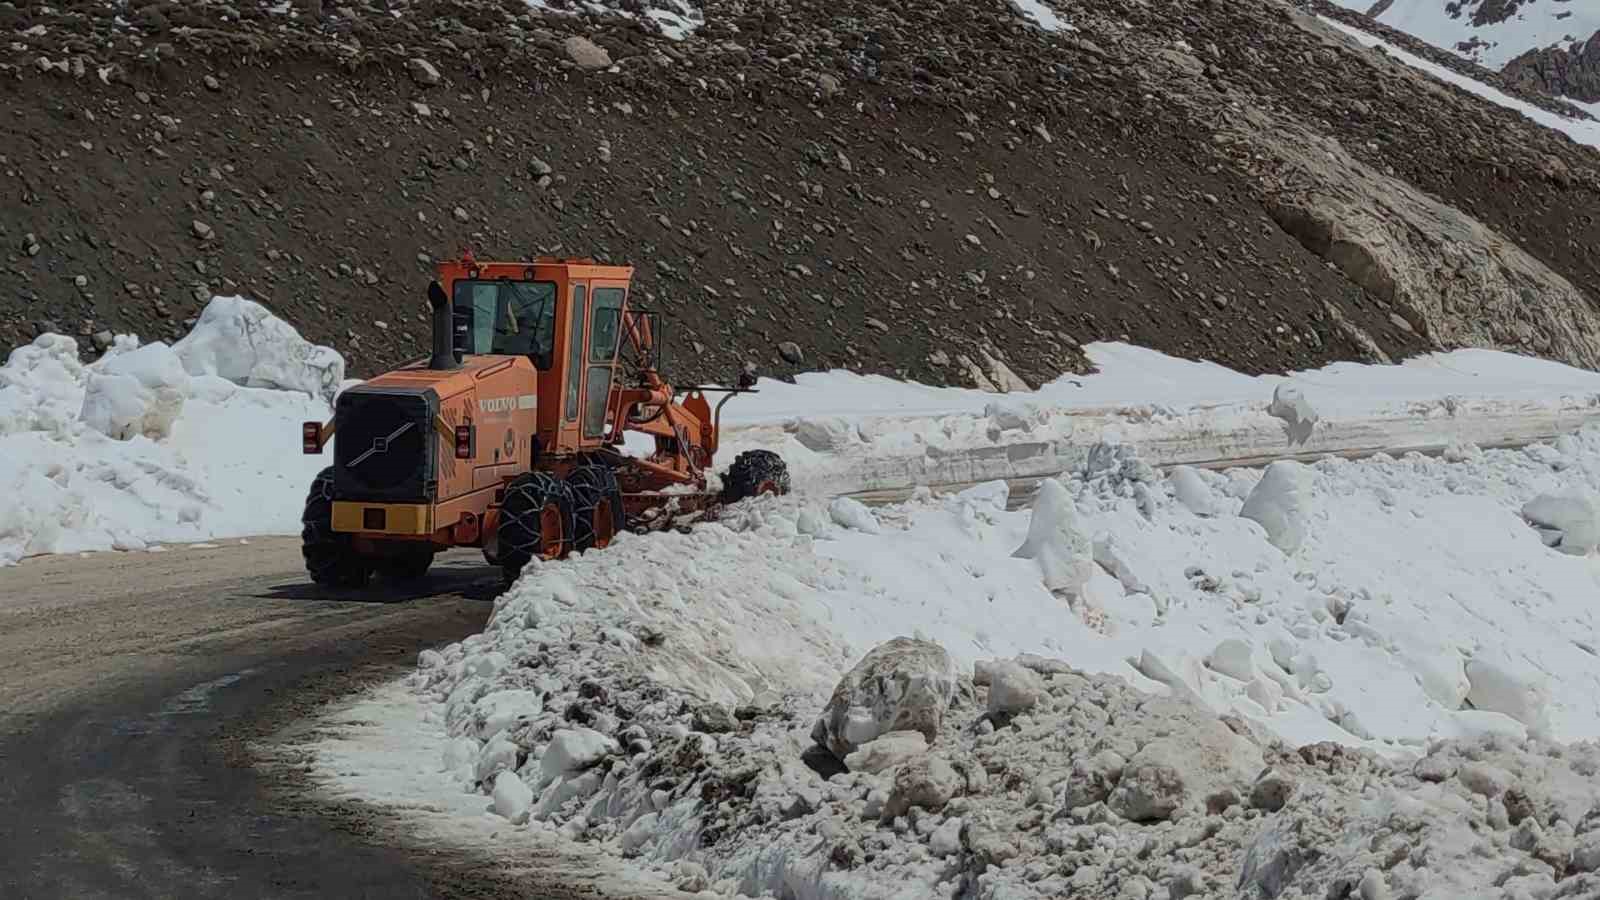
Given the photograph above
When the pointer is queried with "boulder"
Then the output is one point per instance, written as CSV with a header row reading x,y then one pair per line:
x,y
902,685
586,53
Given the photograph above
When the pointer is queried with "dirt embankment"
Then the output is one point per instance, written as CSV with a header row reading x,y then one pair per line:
x,y
890,188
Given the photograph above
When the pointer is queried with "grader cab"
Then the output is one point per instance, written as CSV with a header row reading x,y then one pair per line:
x,y
512,435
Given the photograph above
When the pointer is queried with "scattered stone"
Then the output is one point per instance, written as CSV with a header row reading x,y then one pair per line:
x,y
1012,688
790,351
202,231
925,782
422,71
715,718
1271,791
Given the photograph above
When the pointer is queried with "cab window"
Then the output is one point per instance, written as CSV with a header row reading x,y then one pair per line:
x,y
604,327
509,318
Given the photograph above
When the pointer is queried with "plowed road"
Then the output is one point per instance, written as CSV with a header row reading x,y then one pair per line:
x,y
132,686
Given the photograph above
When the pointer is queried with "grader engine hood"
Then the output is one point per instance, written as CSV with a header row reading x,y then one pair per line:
x,y
387,446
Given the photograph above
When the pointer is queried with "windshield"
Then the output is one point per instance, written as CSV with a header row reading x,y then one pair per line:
x,y
507,318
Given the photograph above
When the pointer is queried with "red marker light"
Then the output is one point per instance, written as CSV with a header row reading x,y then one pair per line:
x,y
466,440
311,438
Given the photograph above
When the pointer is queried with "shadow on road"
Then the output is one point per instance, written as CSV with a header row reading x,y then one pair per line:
x,y
470,581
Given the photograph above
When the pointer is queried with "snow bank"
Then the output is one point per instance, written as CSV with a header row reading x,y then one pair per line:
x,y
1209,708
153,443
841,432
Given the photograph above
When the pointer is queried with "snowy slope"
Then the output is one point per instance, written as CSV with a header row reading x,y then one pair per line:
x,y
153,443
1448,24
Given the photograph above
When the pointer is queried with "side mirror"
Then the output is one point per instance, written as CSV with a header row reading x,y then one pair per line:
x,y
437,298
542,361
747,380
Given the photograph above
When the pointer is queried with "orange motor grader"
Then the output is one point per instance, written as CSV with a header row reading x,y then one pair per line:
x,y
510,437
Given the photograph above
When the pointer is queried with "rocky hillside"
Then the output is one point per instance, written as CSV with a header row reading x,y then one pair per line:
x,y
901,188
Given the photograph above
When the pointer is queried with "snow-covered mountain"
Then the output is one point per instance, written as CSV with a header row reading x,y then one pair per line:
x,y
1491,33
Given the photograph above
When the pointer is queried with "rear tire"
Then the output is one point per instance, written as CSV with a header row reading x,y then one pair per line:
x,y
407,567
331,559
755,472
598,513
536,520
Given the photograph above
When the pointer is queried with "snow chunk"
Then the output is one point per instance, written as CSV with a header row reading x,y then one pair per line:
x,y
1232,658
513,800
1055,543
853,514
886,751
573,750
1499,685
1570,522
241,341
826,434
904,684
139,392
1192,491
1280,503
1289,404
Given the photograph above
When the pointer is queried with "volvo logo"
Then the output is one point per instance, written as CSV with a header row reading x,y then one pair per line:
x,y
381,444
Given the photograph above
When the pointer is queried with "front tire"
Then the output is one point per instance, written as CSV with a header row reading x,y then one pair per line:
x,y
330,557
599,516
753,473
536,520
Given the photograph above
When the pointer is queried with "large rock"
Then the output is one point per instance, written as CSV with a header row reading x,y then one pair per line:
x,y
586,53
901,685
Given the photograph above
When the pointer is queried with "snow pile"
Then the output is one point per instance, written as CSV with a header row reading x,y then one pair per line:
x,y
153,443
1109,694
239,340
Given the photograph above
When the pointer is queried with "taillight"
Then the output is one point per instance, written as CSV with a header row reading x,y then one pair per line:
x,y
311,438
466,442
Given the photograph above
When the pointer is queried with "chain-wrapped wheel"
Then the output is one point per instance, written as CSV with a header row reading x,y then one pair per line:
x,y
598,513
536,520
755,472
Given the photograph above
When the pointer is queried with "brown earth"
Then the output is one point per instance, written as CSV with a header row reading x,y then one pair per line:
x,y
891,186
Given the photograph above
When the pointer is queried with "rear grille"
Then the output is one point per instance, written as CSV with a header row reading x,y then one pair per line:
x,y
384,445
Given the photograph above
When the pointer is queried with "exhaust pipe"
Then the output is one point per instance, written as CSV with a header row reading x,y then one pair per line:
x,y
444,353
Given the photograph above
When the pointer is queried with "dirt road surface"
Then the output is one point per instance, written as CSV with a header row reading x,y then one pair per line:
x,y
133,687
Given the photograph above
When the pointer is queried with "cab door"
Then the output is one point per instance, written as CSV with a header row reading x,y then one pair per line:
x,y
605,333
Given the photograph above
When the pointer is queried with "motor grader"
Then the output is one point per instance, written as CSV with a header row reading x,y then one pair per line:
x,y
512,435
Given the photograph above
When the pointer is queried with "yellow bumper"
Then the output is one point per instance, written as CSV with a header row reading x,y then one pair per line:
x,y
383,518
